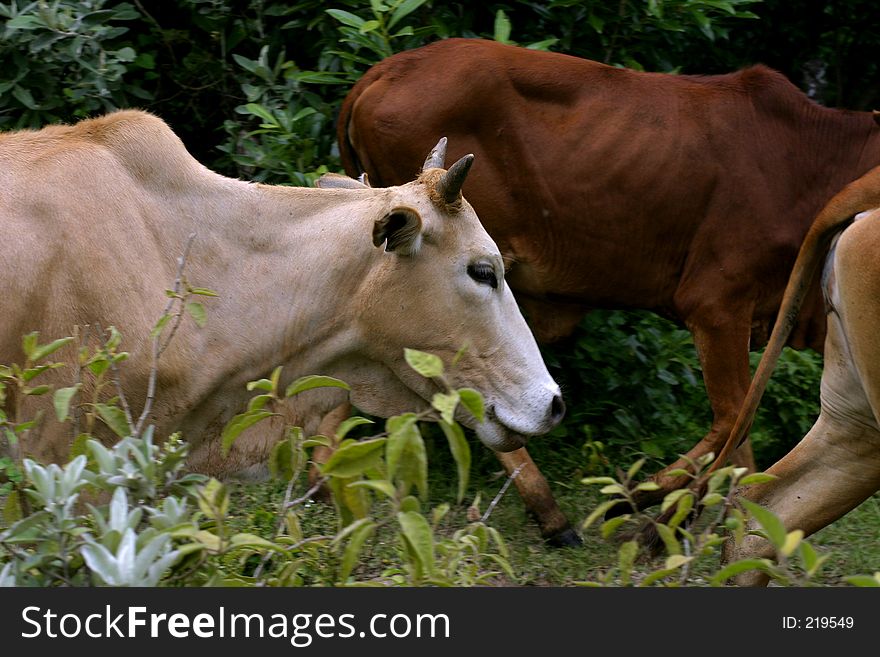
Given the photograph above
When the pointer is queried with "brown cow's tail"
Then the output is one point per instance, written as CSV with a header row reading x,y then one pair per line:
x,y
347,153
860,195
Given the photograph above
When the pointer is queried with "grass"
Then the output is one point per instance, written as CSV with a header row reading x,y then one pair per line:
x,y
852,543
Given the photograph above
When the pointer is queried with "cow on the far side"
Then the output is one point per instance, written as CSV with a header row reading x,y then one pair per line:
x,y
836,466
606,187
323,281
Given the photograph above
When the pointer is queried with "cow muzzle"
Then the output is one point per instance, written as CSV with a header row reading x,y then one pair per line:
x,y
507,427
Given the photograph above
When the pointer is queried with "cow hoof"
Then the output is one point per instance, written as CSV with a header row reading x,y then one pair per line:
x,y
566,538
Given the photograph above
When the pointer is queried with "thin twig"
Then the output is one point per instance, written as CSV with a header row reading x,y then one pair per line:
x,y
156,351
311,491
285,505
122,399
494,502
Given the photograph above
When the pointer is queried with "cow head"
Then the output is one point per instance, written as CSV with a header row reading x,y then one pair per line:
x,y
437,284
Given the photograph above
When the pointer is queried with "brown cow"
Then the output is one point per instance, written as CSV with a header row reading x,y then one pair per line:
x,y
837,464
323,281
607,187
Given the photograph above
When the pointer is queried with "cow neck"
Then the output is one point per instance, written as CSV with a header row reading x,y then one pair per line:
x,y
286,262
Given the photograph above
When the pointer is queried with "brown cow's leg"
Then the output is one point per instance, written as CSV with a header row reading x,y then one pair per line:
x,y
831,471
723,352
538,498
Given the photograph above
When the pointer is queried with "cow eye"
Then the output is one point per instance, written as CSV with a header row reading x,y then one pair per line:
x,y
483,273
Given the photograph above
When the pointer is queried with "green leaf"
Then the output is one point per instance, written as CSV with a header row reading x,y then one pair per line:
x,y
259,402
313,381
237,425
29,344
769,521
419,539
676,561
157,329
673,497
346,17
608,527
353,548
41,352
473,401
600,511
61,400
381,485
213,500
756,478
685,504
667,535
37,390
598,480
634,468
406,457
203,292
262,112
25,97
428,365
317,441
812,561
792,540
197,311
461,452
400,429
114,417
445,403
281,460
626,558
347,425
245,540
863,580
404,9
261,384
502,27
368,26
354,458
738,567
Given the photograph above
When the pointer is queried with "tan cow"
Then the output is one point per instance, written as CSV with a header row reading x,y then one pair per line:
x,y
836,466
323,281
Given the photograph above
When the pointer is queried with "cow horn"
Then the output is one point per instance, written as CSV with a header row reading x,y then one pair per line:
x,y
437,158
449,185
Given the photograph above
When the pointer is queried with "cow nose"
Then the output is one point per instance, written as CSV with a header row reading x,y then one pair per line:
x,y
557,409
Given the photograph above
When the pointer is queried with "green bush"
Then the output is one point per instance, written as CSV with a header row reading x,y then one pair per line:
x,y
67,59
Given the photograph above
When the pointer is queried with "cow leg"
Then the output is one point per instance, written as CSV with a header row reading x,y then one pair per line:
x,y
723,351
328,426
538,498
831,471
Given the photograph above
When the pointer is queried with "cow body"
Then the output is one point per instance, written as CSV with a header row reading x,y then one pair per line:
x,y
607,187
837,464
94,216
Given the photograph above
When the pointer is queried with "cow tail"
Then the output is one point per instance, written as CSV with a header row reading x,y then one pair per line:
x,y
860,195
350,161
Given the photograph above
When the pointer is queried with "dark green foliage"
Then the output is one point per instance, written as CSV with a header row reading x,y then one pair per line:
x,y
634,383
65,60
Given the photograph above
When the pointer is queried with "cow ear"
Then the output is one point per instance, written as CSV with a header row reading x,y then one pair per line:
x,y
338,181
401,229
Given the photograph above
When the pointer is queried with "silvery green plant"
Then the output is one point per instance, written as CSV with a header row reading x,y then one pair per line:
x,y
121,556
